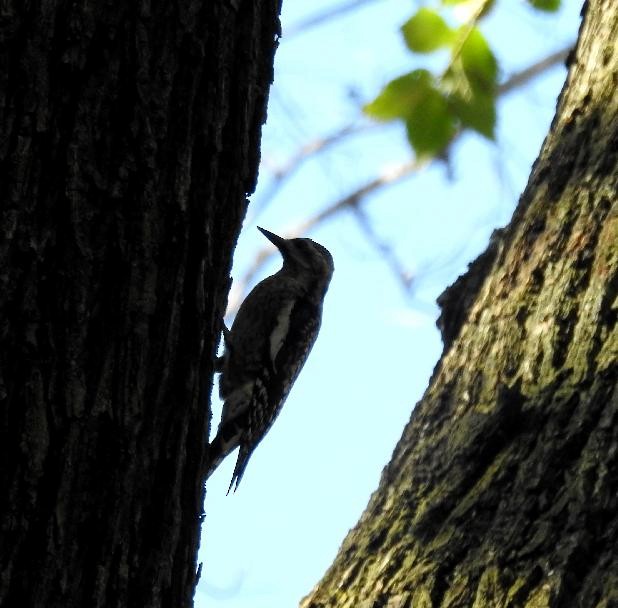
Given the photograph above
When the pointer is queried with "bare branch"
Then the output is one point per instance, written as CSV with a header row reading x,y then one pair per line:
x,y
304,153
518,79
388,177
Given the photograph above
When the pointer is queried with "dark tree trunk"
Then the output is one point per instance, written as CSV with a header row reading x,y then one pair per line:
x,y
129,138
503,490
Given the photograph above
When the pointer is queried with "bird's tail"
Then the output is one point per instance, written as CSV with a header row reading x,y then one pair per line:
x,y
239,469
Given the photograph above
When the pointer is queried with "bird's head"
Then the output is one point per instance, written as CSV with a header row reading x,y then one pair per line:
x,y
303,257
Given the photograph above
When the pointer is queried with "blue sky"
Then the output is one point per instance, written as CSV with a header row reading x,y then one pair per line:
x,y
310,479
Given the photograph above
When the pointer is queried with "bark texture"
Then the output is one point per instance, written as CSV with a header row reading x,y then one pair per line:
x,y
503,490
129,138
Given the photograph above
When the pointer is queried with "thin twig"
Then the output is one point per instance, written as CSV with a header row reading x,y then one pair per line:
x,y
385,249
285,171
518,79
320,18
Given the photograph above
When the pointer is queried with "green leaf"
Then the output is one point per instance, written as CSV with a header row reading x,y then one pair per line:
x,y
451,2
430,124
426,31
399,96
477,112
479,63
550,6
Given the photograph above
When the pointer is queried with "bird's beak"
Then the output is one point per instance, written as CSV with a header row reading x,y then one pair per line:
x,y
277,241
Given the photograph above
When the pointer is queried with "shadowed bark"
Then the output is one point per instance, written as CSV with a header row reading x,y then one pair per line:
x,y
129,138
503,490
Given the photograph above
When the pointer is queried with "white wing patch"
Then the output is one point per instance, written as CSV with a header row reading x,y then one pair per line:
x,y
280,331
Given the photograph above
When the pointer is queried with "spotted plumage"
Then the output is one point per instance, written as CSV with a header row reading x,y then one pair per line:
x,y
267,346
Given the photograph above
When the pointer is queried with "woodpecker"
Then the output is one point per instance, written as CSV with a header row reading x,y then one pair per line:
x,y
267,346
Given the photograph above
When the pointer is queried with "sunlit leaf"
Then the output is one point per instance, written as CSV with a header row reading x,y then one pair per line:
x,y
430,124
545,5
479,63
426,31
477,112
399,96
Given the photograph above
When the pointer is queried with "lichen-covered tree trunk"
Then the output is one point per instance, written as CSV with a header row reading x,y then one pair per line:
x,y
503,490
129,138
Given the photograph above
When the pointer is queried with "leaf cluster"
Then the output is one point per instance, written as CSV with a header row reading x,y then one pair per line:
x,y
435,106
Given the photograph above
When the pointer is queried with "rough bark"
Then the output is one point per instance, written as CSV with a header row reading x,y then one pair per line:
x,y
503,490
129,138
